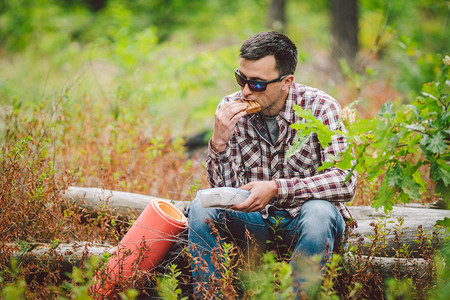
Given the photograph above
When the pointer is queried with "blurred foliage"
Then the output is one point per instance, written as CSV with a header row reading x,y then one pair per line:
x,y
25,22
52,43
158,54
387,27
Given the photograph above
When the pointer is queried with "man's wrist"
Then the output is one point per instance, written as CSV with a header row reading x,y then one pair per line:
x,y
274,188
218,148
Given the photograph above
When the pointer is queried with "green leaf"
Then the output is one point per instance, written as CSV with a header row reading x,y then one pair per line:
x,y
430,90
440,171
296,126
443,191
326,165
394,178
434,143
362,126
384,198
415,127
445,222
312,124
447,131
386,109
410,188
297,146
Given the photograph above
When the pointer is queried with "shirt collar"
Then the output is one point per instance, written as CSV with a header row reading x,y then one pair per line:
x,y
287,112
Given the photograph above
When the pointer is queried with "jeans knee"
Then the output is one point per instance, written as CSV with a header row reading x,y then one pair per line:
x,y
319,211
320,225
197,215
320,218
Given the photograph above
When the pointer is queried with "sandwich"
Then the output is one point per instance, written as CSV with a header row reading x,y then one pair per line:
x,y
252,106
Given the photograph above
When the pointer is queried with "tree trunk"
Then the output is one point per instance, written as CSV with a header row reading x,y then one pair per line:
x,y
344,25
96,5
277,15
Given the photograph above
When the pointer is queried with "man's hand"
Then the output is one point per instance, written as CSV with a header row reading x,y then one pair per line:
x,y
225,120
261,193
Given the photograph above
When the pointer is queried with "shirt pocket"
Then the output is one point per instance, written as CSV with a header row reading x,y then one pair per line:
x,y
250,153
302,163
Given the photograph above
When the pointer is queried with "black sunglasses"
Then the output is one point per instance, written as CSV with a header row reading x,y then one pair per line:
x,y
255,85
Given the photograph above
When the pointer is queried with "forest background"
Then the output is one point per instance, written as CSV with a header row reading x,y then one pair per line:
x,y
104,94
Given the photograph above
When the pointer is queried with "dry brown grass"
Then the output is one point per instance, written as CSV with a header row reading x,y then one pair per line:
x,y
57,145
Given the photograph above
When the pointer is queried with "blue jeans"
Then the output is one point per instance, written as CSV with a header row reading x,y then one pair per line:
x,y
314,231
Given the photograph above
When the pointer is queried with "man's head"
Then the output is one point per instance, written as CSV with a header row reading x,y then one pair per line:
x,y
272,43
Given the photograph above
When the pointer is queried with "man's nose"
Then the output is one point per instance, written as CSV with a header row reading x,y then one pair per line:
x,y
246,90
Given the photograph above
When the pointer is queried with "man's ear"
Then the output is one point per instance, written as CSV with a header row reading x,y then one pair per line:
x,y
287,82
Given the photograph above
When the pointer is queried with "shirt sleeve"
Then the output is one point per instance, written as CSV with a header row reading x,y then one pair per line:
x,y
220,168
329,184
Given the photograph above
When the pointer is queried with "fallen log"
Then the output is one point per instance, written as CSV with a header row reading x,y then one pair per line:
x,y
404,228
69,255
123,203
57,259
388,267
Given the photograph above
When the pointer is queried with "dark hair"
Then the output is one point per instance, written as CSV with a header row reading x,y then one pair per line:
x,y
272,43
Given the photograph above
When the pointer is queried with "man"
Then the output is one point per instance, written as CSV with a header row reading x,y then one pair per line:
x,y
249,152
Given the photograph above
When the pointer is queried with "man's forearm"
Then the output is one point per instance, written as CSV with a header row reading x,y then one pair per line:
x,y
329,186
220,168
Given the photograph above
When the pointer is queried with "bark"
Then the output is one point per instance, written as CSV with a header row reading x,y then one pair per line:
x,y
96,5
344,27
277,15
123,203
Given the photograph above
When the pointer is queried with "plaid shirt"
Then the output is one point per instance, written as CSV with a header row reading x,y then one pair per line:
x,y
251,155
